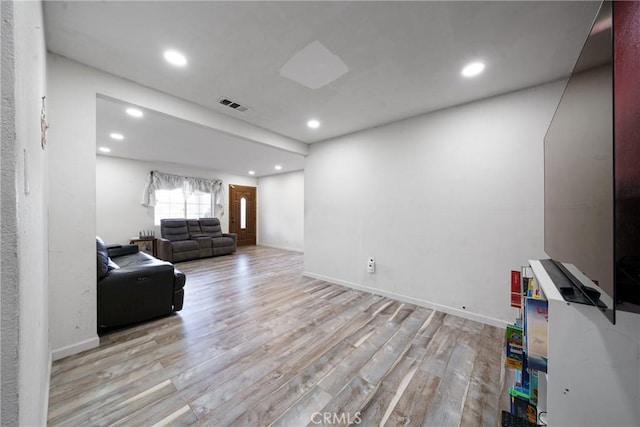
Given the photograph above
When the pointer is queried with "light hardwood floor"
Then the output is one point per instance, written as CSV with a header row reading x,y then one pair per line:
x,y
259,344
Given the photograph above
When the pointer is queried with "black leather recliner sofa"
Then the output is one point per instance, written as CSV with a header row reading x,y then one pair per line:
x,y
134,286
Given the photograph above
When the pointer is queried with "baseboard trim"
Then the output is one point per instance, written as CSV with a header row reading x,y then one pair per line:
x,y
72,349
404,298
285,248
47,383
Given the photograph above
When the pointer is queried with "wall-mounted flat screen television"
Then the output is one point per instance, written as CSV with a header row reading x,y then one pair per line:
x,y
584,225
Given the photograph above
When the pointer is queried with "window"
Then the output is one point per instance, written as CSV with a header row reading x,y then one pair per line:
x,y
172,204
243,213
165,192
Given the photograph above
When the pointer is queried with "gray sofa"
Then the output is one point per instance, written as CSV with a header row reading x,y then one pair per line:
x,y
187,239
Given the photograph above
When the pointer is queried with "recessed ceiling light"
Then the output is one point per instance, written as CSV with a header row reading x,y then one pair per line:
x,y
117,136
104,149
278,167
134,112
252,172
473,69
313,124
175,58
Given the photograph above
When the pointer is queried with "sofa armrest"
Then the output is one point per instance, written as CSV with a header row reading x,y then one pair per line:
x,y
165,249
234,236
139,273
120,250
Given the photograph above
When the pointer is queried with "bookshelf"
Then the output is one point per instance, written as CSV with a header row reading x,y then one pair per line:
x,y
593,366
526,348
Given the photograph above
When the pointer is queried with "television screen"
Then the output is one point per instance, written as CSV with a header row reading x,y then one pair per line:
x,y
579,166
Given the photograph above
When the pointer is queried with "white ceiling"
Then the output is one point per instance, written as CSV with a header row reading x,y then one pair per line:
x,y
156,137
403,58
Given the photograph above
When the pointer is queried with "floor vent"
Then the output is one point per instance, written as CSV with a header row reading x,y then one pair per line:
x,y
234,105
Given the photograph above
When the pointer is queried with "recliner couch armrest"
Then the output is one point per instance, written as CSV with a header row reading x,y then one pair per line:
x,y
234,236
165,249
178,289
140,273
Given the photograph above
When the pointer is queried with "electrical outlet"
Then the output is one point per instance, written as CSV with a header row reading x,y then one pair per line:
x,y
371,265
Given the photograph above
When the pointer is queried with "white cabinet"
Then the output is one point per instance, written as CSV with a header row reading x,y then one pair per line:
x,y
593,366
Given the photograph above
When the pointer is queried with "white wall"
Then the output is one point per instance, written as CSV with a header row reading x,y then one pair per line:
x,y
24,225
448,203
72,203
73,88
119,185
281,211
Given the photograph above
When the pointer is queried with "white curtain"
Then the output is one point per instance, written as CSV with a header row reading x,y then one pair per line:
x,y
166,181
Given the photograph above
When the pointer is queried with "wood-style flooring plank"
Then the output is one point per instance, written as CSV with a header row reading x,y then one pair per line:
x,y
258,344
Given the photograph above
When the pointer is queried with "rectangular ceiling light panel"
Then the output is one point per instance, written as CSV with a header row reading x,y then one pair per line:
x,y
314,66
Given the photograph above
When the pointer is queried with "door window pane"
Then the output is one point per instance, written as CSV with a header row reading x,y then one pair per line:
x,y
243,213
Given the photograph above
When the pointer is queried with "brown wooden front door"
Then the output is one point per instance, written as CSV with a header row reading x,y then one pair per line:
x,y
242,213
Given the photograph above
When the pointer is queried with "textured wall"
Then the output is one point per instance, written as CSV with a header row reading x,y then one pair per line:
x,y
32,199
24,337
8,226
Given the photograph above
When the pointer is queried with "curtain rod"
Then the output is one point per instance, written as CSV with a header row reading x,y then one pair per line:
x,y
188,177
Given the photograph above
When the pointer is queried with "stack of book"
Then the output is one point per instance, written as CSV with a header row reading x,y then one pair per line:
x,y
526,343
523,286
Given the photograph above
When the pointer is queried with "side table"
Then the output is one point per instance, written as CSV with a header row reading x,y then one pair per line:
x,y
149,246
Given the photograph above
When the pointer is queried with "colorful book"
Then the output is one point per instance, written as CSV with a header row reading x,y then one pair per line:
x,y
533,387
515,282
521,384
536,315
526,273
529,285
516,300
515,347
516,289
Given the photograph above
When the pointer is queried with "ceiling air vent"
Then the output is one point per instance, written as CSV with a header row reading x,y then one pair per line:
x,y
233,105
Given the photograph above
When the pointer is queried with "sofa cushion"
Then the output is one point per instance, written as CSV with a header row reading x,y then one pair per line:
x,y
137,260
222,241
102,258
186,255
211,227
174,229
203,242
193,225
185,245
